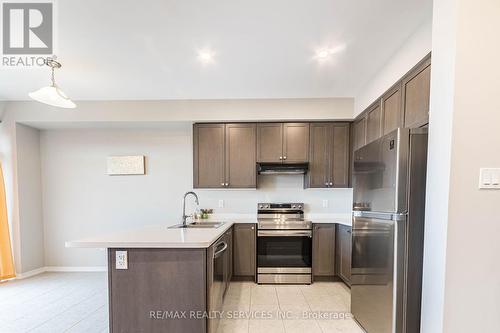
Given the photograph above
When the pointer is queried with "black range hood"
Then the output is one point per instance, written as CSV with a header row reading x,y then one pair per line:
x,y
282,169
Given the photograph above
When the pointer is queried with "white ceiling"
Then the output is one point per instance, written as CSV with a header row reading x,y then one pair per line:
x,y
129,49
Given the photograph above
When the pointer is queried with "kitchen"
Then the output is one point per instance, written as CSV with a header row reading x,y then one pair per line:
x,y
279,245
250,167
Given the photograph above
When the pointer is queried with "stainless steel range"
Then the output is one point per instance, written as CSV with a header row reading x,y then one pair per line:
x,y
284,244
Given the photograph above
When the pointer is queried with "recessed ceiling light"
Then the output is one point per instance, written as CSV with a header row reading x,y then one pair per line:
x,y
324,54
206,56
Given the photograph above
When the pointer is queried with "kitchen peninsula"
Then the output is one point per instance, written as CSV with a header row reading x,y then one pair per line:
x,y
175,279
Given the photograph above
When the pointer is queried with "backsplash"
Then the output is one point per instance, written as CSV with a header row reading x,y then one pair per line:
x,y
278,188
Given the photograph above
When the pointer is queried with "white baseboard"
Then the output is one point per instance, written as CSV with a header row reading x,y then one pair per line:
x,y
76,269
61,269
30,273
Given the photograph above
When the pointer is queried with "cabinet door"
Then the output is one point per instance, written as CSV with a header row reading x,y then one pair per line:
x,y
344,252
391,109
324,250
340,155
241,155
373,123
208,144
270,142
319,155
416,93
244,249
295,142
359,136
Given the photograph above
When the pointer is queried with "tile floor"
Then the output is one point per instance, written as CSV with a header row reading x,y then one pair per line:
x,y
77,302
55,302
322,307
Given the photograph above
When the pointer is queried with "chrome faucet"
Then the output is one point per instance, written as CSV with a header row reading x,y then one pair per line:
x,y
184,216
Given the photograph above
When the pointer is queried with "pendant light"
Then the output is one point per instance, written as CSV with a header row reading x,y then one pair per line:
x,y
52,95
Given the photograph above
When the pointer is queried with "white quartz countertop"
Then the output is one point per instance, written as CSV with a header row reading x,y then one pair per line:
x,y
160,236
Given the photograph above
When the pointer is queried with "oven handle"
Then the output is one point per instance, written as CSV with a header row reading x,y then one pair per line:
x,y
284,233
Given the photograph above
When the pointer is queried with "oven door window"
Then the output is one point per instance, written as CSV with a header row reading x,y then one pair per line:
x,y
284,251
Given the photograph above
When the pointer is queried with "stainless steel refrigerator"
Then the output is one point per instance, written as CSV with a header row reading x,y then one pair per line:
x,y
389,177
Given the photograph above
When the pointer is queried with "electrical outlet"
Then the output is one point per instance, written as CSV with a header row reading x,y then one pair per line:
x,y
221,203
325,203
121,260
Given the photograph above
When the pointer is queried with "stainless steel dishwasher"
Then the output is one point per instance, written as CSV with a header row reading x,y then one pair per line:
x,y
217,266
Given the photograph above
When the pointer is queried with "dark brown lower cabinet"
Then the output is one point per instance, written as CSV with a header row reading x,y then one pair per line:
x,y
343,257
323,255
169,290
244,250
157,284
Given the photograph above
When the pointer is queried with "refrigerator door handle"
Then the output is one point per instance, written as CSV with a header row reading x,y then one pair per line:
x,y
380,215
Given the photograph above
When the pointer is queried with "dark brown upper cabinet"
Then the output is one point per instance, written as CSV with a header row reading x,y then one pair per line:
x,y
374,122
282,142
224,156
270,142
359,133
208,143
241,155
416,93
405,104
328,155
295,142
392,109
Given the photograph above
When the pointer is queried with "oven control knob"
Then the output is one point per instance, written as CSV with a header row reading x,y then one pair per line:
x,y
293,206
261,206
299,206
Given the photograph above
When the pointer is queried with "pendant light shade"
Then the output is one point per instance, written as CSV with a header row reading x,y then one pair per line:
x,y
52,95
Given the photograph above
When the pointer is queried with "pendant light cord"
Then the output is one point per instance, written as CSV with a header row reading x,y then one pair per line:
x,y
53,77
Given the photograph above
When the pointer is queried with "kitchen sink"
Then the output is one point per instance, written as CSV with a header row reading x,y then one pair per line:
x,y
201,225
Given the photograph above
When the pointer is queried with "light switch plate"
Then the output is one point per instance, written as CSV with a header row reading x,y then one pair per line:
x,y
325,203
121,260
221,203
489,178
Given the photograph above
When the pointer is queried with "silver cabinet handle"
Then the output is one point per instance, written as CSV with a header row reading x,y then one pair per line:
x,y
281,157
326,183
331,184
227,184
253,228
221,184
284,158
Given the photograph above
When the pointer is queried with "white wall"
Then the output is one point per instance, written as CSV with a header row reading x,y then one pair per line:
x,y
80,200
411,52
461,266
183,110
439,164
30,197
